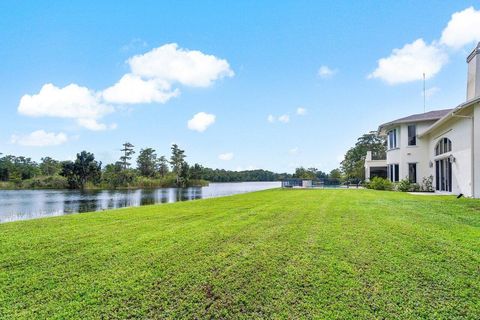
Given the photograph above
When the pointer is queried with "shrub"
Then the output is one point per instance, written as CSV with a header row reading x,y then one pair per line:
x,y
403,185
406,186
378,183
427,184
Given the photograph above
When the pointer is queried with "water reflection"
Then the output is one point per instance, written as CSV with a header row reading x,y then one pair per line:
x,y
29,204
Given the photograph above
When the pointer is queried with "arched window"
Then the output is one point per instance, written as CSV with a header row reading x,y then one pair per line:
x,y
443,146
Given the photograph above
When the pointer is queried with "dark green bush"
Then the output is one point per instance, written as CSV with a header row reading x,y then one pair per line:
x,y
378,183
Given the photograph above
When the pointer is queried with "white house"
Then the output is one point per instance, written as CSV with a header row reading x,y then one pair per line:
x,y
444,144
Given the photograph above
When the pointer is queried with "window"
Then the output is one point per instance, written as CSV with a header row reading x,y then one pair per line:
x,y
412,172
393,172
443,146
392,139
412,135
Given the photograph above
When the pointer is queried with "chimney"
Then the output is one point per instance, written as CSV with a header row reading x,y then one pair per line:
x,y
473,81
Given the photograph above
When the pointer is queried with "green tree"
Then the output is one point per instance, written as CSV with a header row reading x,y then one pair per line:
x,y
303,173
127,154
49,166
162,166
196,171
147,162
177,161
115,176
84,169
353,164
184,175
335,174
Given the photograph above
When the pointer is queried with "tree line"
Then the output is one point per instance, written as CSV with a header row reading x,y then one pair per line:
x,y
150,170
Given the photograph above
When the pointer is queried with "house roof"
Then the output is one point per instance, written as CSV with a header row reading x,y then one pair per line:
x,y
453,112
420,117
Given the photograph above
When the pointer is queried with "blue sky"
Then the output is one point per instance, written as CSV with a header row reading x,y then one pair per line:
x,y
236,65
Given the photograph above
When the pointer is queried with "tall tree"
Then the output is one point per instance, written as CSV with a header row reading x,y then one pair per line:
x,y
147,162
162,166
49,166
85,168
127,154
353,164
177,160
196,171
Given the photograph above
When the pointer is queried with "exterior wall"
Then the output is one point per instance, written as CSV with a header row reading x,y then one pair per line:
x,y
459,131
369,163
476,151
406,154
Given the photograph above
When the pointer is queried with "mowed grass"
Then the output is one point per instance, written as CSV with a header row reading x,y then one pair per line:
x,y
345,254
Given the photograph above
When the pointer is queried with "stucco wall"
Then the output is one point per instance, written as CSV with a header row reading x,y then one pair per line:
x,y
458,130
406,154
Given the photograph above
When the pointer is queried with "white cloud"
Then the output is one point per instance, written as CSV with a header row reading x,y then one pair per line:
x,y
293,151
301,111
72,101
132,89
462,29
201,121
284,118
430,92
150,80
173,64
410,62
271,118
326,72
226,156
40,138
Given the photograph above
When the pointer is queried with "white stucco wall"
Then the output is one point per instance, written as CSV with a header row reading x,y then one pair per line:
x,y
406,154
458,130
476,153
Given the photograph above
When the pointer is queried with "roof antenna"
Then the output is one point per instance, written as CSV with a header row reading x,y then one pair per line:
x,y
424,93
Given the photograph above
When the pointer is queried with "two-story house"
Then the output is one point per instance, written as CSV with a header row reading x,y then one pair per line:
x,y
444,144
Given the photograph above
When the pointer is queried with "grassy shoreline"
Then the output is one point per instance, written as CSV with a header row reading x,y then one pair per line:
x,y
271,254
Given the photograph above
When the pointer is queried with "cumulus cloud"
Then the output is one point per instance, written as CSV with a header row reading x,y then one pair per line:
x,y
285,118
301,111
131,89
226,156
173,64
413,59
40,138
201,121
326,72
462,29
271,118
151,79
410,62
72,101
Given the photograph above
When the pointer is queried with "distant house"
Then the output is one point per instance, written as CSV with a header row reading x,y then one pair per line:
x,y
444,144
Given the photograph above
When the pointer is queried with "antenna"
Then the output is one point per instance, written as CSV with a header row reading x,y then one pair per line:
x,y
424,93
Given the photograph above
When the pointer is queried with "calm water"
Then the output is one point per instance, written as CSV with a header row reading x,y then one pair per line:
x,y
29,204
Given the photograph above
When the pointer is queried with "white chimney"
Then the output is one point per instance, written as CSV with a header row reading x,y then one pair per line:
x,y
473,81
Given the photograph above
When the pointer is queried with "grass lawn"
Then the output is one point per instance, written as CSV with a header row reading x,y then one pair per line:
x,y
346,254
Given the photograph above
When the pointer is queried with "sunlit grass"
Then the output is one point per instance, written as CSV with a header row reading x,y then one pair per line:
x,y
346,254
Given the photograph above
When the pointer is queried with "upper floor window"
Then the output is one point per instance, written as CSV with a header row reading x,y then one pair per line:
x,y
443,146
412,135
393,139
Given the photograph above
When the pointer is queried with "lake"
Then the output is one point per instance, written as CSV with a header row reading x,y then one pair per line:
x,y
30,204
